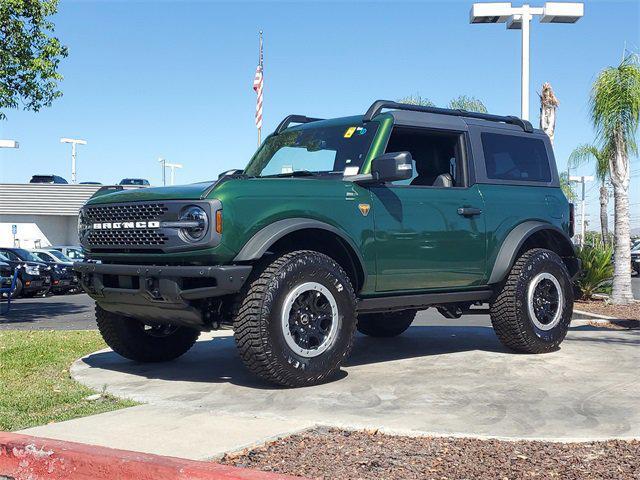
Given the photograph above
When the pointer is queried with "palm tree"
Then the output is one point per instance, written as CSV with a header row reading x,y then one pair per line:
x,y
615,113
588,153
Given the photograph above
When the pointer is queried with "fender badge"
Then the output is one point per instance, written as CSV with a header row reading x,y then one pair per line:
x,y
364,208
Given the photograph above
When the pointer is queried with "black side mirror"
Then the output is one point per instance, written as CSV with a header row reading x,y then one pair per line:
x,y
388,167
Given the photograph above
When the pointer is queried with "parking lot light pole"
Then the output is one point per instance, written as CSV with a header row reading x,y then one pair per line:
x,y
9,144
163,162
73,142
582,180
519,18
173,167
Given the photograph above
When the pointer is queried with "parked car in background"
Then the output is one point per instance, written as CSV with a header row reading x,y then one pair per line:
x,y
6,274
63,278
47,179
33,276
73,252
635,260
141,182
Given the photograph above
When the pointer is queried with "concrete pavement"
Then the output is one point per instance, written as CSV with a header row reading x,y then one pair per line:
x,y
441,377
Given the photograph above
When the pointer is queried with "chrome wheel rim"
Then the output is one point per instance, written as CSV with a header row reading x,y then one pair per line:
x,y
310,319
545,301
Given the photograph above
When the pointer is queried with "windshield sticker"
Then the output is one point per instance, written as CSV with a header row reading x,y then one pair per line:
x,y
349,133
361,130
351,171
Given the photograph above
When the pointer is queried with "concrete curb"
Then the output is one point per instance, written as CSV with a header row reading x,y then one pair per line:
x,y
588,318
23,457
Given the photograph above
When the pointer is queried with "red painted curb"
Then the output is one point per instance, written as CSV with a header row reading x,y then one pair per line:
x,y
23,457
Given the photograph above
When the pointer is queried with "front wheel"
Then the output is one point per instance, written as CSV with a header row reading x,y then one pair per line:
x,y
137,341
532,311
296,320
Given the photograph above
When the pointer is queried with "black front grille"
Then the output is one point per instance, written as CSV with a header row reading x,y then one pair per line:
x,y
127,212
135,237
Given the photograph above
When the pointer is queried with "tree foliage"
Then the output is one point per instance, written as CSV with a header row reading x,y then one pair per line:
x,y
417,99
471,104
463,102
29,55
586,153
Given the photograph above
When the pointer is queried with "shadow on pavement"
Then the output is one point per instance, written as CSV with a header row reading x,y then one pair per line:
x,y
217,361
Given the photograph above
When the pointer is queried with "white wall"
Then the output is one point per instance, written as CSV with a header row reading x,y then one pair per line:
x,y
49,229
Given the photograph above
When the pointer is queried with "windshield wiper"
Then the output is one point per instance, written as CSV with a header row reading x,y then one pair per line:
x,y
297,173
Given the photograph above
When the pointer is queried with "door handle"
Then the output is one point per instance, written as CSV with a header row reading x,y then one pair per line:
x,y
469,211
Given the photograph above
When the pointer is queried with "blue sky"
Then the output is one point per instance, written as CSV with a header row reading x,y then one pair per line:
x,y
173,79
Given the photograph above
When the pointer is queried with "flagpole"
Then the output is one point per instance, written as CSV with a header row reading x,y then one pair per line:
x,y
260,62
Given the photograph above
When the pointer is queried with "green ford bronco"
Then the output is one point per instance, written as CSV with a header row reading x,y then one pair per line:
x,y
334,226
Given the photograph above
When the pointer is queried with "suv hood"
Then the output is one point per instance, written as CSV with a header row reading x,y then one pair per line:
x,y
194,191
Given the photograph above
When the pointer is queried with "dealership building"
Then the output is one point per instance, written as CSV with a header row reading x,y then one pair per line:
x,y
39,215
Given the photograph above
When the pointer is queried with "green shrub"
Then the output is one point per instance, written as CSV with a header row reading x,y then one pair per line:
x,y
597,270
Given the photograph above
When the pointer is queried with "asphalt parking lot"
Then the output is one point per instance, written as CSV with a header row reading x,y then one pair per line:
x,y
75,312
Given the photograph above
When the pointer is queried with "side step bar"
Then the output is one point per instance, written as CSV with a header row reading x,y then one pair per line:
x,y
420,301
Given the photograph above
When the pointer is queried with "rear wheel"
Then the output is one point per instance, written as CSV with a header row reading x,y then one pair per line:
x,y
533,310
390,324
140,342
296,319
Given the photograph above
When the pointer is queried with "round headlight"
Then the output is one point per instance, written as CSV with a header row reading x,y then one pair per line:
x,y
198,223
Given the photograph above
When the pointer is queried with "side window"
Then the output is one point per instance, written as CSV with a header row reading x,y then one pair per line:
x,y
10,255
517,158
436,156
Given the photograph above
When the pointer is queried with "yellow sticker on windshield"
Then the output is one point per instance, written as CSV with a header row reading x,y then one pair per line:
x,y
350,131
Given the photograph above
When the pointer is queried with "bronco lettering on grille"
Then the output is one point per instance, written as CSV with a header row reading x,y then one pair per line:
x,y
124,225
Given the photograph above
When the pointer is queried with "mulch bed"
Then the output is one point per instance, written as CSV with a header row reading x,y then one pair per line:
x,y
622,312
339,454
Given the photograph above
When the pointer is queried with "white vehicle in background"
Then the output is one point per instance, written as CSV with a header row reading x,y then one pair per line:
x,y
73,252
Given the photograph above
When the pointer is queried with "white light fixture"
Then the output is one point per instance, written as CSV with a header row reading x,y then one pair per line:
x,y
519,18
173,167
73,142
9,144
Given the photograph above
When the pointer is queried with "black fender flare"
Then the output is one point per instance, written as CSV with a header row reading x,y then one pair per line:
x,y
264,238
515,239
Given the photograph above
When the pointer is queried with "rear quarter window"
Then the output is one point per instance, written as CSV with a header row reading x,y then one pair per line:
x,y
515,158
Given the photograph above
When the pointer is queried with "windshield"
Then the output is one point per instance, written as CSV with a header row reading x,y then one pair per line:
x,y
3,258
321,151
59,255
27,255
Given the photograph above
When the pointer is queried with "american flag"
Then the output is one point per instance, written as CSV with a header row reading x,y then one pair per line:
x,y
258,82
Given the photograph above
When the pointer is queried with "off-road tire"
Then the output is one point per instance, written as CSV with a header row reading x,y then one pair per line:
x,y
258,328
385,325
127,337
510,308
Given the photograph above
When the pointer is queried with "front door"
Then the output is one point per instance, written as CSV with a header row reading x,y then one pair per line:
x,y
429,231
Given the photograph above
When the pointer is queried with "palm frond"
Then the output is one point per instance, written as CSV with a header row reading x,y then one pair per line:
x,y
615,103
586,153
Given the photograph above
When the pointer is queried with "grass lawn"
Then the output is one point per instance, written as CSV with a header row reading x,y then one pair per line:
x,y
35,386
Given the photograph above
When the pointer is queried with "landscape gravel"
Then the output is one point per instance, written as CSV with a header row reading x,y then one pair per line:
x,y
340,454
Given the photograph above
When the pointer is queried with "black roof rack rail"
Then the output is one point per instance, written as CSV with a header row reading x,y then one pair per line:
x,y
289,119
377,106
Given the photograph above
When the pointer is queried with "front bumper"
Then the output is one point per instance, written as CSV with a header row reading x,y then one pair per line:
x,y
162,294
